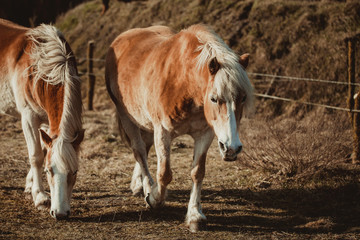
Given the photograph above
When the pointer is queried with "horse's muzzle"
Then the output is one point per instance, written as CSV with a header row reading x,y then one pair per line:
x,y
60,216
229,154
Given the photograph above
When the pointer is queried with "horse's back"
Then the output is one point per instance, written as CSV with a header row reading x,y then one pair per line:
x,y
12,47
125,64
138,42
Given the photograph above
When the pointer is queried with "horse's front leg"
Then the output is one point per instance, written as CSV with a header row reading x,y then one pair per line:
x,y
136,185
162,140
30,125
195,219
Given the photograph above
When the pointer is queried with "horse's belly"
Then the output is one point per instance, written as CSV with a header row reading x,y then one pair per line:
x,y
143,122
139,116
7,100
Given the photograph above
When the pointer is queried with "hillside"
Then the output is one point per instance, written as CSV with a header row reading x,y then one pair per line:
x,y
291,38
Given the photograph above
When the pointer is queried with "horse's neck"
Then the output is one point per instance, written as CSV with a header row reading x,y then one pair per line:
x,y
51,99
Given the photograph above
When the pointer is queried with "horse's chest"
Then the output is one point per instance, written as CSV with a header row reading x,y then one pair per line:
x,y
191,125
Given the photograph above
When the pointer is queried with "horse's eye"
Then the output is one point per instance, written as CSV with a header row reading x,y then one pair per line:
x,y
213,99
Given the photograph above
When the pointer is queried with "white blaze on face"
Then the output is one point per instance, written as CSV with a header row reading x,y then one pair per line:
x,y
224,123
60,199
233,139
225,128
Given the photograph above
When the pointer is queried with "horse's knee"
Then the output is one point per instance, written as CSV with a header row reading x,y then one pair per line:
x,y
198,171
37,161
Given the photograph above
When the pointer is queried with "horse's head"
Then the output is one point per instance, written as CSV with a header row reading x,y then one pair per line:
x,y
61,165
226,97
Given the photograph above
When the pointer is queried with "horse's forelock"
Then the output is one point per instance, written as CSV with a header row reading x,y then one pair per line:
x,y
64,156
231,77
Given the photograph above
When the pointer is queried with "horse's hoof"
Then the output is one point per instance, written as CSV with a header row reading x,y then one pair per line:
x,y
28,195
152,203
138,193
137,190
197,226
136,186
147,200
42,207
42,202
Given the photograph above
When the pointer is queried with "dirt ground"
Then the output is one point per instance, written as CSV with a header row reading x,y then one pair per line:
x,y
237,201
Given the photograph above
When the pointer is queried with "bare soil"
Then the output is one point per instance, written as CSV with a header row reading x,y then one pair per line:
x,y
239,202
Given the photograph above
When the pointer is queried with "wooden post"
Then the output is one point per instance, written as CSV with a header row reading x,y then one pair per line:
x,y
351,75
354,116
90,74
356,124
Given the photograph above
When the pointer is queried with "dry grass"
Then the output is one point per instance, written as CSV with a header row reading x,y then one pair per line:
x,y
236,200
293,149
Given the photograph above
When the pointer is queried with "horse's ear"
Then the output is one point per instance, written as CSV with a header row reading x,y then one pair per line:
x,y
45,138
244,60
79,138
214,66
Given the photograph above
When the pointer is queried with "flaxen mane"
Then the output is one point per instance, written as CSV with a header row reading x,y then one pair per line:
x,y
54,63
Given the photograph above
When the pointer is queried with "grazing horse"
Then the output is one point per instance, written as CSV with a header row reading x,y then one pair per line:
x,y
39,83
165,84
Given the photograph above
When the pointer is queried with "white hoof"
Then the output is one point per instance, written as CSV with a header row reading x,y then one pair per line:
x,y
196,220
136,186
42,201
197,226
152,202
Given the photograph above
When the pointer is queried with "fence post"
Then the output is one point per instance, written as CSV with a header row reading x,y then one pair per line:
x,y
351,75
90,74
356,123
354,116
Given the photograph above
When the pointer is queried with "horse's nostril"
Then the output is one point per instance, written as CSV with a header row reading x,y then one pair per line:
x,y
238,150
52,213
222,147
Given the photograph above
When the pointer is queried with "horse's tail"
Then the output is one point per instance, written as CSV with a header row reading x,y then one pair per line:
x,y
53,62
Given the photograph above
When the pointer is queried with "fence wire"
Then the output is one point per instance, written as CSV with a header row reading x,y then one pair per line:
x,y
306,103
301,79
274,77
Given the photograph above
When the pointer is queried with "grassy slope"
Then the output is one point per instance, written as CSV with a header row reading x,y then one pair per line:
x,y
293,38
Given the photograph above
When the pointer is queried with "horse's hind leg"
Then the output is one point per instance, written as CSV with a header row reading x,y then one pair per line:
x,y
163,175
195,219
136,185
30,125
132,135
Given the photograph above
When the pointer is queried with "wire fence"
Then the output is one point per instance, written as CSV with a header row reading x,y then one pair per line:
x,y
278,77
306,103
274,77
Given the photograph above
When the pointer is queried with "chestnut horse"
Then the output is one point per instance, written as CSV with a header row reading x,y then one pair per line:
x,y
166,84
39,83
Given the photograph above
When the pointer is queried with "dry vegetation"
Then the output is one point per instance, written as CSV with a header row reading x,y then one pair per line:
x,y
292,182
294,179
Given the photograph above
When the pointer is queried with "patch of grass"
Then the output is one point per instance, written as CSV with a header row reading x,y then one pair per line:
x,y
297,150
91,7
68,23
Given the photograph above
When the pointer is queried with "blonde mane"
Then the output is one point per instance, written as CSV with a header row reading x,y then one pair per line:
x,y
231,76
54,64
